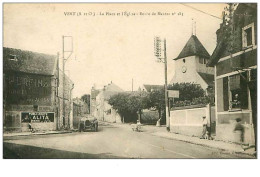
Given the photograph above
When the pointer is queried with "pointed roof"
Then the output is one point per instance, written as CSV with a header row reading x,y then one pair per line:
x,y
193,48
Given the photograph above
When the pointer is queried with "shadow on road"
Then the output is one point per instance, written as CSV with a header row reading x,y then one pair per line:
x,y
17,151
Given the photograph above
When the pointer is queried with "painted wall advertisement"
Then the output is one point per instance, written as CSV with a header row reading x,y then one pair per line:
x,y
28,89
37,117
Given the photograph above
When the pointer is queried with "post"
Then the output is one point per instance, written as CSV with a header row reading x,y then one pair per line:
x,y
63,82
165,90
57,92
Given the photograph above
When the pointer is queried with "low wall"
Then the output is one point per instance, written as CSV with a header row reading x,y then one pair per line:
x,y
226,124
188,121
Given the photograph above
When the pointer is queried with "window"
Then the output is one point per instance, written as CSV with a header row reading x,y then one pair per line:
x,y
248,36
13,57
238,98
202,60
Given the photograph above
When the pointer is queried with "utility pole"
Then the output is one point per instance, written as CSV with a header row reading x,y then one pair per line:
x,y
63,78
158,54
132,84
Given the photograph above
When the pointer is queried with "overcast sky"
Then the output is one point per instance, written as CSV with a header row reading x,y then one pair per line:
x,y
110,47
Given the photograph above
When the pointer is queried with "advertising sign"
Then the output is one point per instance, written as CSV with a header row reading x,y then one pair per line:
x,y
37,117
28,89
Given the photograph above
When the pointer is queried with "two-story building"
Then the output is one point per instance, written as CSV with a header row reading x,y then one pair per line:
x,y
33,91
235,62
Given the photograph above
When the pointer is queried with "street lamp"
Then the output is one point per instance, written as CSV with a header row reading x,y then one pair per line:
x,y
162,57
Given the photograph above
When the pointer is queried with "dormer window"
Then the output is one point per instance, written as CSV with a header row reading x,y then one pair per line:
x,y
248,36
13,57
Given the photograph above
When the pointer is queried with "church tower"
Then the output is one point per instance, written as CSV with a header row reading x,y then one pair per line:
x,y
190,65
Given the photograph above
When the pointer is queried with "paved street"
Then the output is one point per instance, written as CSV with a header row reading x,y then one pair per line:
x,y
111,141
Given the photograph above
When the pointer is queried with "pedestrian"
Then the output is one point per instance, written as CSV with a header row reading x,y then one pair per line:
x,y
239,132
204,127
30,124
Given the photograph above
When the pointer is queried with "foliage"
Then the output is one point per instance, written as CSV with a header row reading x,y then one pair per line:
x,y
86,98
156,99
187,91
128,103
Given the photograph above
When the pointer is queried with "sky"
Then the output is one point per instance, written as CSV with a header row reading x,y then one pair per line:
x,y
108,43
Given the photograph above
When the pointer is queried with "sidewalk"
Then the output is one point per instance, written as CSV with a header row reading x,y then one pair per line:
x,y
162,132
11,134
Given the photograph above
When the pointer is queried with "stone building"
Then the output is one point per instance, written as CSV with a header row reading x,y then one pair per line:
x,y
235,62
190,65
103,110
32,91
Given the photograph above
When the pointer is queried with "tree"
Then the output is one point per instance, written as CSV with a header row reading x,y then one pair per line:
x,y
128,104
187,91
85,98
155,99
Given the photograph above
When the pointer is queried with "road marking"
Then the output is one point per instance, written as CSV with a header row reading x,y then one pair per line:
x,y
159,147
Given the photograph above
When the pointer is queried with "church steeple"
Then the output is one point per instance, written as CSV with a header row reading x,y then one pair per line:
x,y
193,48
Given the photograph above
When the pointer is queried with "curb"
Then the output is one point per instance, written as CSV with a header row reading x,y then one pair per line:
x,y
34,134
206,145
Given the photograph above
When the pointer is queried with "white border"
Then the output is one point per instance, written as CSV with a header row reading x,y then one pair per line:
x,y
158,168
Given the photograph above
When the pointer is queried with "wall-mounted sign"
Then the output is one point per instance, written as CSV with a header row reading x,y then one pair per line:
x,y
173,93
37,117
28,89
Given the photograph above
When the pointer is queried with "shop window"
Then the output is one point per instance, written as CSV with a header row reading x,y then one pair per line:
x,y
238,91
248,36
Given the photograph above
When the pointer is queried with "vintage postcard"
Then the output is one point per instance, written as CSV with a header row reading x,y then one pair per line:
x,y
129,80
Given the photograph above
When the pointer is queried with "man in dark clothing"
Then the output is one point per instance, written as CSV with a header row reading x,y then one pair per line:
x,y
239,129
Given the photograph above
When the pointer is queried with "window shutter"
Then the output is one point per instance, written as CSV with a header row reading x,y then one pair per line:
x,y
234,82
225,94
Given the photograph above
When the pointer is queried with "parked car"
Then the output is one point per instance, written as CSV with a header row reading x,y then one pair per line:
x,y
88,123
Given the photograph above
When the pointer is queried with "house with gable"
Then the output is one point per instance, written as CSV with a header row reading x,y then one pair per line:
x,y
103,110
235,62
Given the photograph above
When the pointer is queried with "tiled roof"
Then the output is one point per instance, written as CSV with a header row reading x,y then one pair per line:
x,y
208,78
149,88
215,56
28,62
193,48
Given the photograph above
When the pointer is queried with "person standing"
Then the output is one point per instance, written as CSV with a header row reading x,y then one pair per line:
x,y
204,127
239,131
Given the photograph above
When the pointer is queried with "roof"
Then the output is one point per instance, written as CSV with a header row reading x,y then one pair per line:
x,y
28,62
94,93
216,54
149,88
193,48
208,78
108,94
113,87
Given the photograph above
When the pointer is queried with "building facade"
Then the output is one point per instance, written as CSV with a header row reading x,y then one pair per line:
x,y
190,65
103,110
235,62
31,91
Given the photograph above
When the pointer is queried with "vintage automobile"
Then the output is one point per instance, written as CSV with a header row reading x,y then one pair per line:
x,y
88,123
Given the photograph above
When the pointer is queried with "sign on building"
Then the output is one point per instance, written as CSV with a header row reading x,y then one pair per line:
x,y
37,117
173,93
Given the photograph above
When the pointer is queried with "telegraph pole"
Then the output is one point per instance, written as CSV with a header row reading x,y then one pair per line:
x,y
64,80
158,54
165,89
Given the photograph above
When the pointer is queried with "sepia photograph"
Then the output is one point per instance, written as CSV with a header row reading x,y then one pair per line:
x,y
129,80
